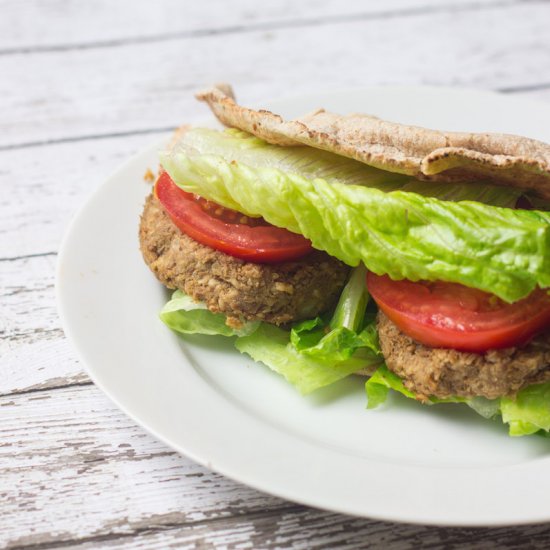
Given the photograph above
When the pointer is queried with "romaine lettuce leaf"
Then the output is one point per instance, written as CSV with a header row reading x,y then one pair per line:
x,y
271,345
527,414
335,344
184,315
265,343
380,383
357,213
351,331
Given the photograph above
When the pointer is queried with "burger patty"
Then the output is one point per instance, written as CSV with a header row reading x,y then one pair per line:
x,y
275,293
444,373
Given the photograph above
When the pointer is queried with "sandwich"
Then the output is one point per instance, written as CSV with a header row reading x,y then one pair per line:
x,y
328,246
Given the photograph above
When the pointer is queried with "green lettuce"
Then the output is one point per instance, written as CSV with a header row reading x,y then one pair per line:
x,y
350,332
310,362
526,414
268,344
529,412
271,346
358,213
186,316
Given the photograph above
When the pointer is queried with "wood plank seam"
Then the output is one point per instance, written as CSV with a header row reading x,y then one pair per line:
x,y
270,26
163,129
27,256
86,137
162,527
43,332
526,88
40,390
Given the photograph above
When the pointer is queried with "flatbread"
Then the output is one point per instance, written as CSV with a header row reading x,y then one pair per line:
x,y
426,154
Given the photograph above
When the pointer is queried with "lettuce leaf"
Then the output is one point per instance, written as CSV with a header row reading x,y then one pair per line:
x,y
186,316
358,213
336,344
380,383
350,329
527,414
271,345
265,343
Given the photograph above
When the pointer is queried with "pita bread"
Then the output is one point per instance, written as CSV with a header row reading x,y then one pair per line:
x,y
425,154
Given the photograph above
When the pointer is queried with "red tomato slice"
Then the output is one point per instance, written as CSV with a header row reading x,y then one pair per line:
x,y
251,239
449,315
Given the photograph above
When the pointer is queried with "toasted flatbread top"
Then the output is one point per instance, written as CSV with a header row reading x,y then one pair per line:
x,y
425,154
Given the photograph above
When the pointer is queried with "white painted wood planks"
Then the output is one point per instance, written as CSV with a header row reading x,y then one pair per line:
x,y
137,87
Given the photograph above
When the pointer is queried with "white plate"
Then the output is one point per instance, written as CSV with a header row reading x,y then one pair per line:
x,y
402,462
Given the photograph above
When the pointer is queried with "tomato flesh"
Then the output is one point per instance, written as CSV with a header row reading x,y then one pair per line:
x,y
450,315
251,239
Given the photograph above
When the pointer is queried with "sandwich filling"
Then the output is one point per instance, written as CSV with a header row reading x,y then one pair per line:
x,y
258,234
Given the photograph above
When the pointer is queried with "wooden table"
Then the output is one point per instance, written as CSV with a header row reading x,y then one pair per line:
x,y
84,85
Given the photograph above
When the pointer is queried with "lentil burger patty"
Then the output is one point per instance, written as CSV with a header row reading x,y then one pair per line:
x,y
275,293
446,372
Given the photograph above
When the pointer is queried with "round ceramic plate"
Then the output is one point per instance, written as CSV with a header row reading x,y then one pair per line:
x,y
402,462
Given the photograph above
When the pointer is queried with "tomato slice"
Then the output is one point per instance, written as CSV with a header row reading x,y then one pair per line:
x,y
450,315
251,239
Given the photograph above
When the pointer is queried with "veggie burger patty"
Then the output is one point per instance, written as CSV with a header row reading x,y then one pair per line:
x,y
276,293
442,373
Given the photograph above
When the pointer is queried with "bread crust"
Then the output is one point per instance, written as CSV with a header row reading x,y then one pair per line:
x,y
423,153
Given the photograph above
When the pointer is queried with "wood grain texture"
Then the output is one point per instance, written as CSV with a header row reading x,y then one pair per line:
x,y
50,188
49,184
72,449
305,528
101,23
143,86
35,354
